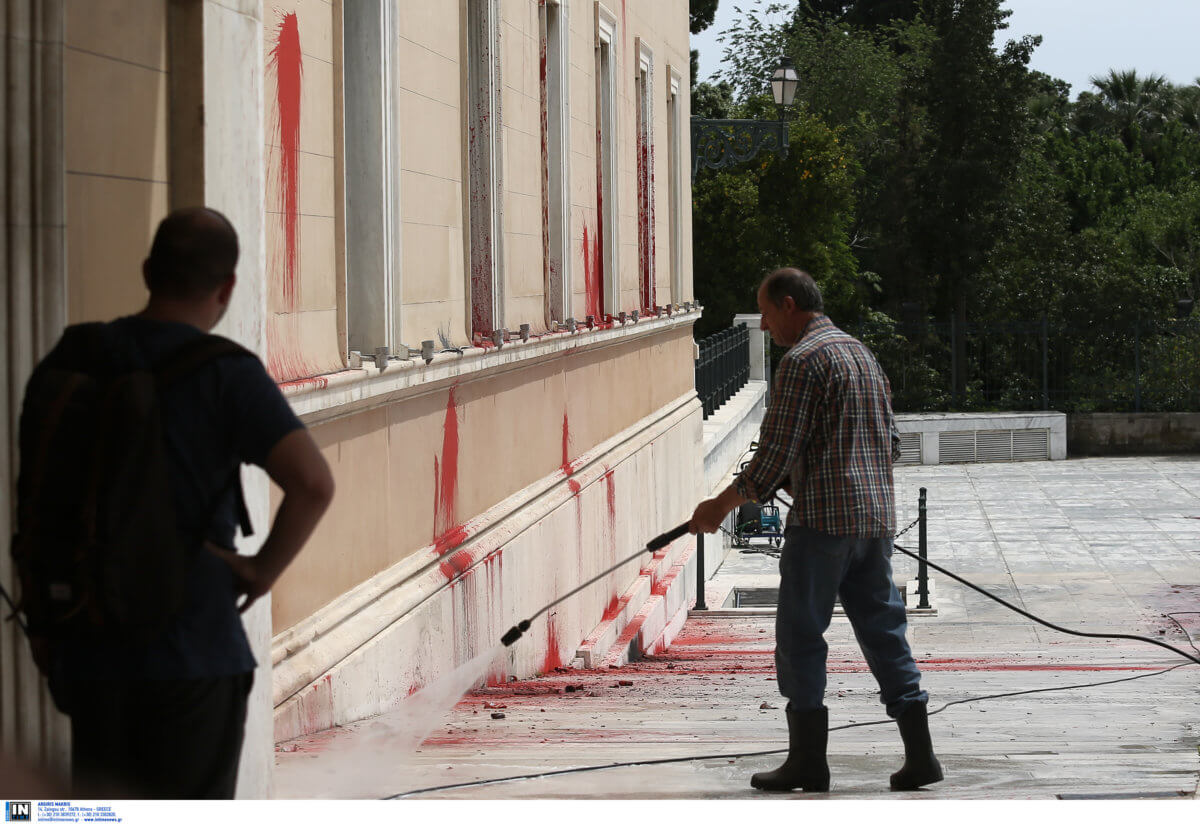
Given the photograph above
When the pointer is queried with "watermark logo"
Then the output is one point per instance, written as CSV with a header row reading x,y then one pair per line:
x,y
18,811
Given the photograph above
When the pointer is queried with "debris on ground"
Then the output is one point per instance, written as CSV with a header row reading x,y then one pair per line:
x,y
497,715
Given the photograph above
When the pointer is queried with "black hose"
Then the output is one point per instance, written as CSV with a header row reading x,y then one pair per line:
x,y
659,542
1194,659
712,756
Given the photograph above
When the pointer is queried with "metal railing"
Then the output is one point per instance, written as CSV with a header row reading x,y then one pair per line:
x,y
1134,365
723,366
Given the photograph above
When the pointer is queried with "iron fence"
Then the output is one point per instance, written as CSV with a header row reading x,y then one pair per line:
x,y
1105,366
723,366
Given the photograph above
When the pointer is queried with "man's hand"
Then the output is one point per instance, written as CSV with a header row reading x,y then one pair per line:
x,y
249,578
710,513
708,516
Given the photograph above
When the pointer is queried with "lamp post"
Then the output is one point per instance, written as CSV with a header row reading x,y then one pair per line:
x,y
720,143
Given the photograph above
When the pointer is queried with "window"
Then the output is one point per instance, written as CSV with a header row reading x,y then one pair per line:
x,y
555,161
372,179
645,177
606,159
484,183
674,182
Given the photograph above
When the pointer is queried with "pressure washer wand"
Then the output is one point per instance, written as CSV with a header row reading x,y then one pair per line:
x,y
655,544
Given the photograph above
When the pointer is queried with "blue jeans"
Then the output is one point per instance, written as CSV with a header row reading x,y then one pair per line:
x,y
815,568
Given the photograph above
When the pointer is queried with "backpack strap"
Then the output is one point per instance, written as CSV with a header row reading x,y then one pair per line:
x,y
188,358
192,355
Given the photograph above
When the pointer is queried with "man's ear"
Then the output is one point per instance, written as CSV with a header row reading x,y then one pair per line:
x,y
226,292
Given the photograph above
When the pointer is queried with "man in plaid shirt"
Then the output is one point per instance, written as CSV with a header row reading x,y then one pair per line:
x,y
829,438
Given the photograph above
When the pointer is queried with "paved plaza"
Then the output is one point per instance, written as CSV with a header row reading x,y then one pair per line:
x,y
1097,545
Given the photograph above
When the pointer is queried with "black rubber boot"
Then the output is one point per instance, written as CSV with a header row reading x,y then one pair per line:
x,y
805,767
921,766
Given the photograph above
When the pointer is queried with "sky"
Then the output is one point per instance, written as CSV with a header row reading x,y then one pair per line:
x,y
1080,38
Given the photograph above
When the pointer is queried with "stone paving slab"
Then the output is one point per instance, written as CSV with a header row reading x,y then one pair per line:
x,y
706,694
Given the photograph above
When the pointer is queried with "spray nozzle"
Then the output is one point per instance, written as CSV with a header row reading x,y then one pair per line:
x,y
655,544
515,632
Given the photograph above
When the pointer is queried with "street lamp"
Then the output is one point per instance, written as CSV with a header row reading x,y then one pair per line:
x,y
784,83
720,143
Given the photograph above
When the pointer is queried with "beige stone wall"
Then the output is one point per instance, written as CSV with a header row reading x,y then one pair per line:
x,y
510,432
115,119
520,101
663,26
303,261
429,102
431,150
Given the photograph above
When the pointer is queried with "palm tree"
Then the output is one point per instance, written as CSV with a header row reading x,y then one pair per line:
x,y
1128,106
1188,106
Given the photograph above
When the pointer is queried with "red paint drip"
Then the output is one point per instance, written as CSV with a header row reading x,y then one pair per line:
x,y
451,539
287,62
553,656
316,383
645,182
456,565
447,533
566,441
611,495
614,608
547,269
591,274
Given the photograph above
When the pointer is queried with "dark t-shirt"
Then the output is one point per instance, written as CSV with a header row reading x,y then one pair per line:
x,y
227,412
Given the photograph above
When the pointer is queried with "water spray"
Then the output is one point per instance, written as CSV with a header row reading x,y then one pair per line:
x,y
654,545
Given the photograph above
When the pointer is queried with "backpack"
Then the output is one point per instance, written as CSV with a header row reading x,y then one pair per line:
x,y
97,548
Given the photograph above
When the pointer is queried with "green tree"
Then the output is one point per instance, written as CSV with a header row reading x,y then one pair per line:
x,y
701,14
773,211
1127,106
978,128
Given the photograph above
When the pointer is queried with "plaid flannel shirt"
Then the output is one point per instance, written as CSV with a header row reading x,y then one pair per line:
x,y
830,432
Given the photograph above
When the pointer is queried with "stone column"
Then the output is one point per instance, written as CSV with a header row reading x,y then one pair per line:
x,y
33,280
217,139
758,345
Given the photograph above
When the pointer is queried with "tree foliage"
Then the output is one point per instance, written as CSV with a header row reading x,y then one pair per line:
x,y
701,14
950,184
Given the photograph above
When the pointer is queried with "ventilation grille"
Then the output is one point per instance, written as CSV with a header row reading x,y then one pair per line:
x,y
1031,445
993,445
910,448
956,447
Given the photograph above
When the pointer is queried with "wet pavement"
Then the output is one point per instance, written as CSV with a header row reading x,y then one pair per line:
x,y
1095,545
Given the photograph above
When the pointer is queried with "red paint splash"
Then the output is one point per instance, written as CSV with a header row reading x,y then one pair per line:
x,y
610,491
645,193
547,269
456,565
566,444
591,274
287,62
302,383
447,533
553,656
614,607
